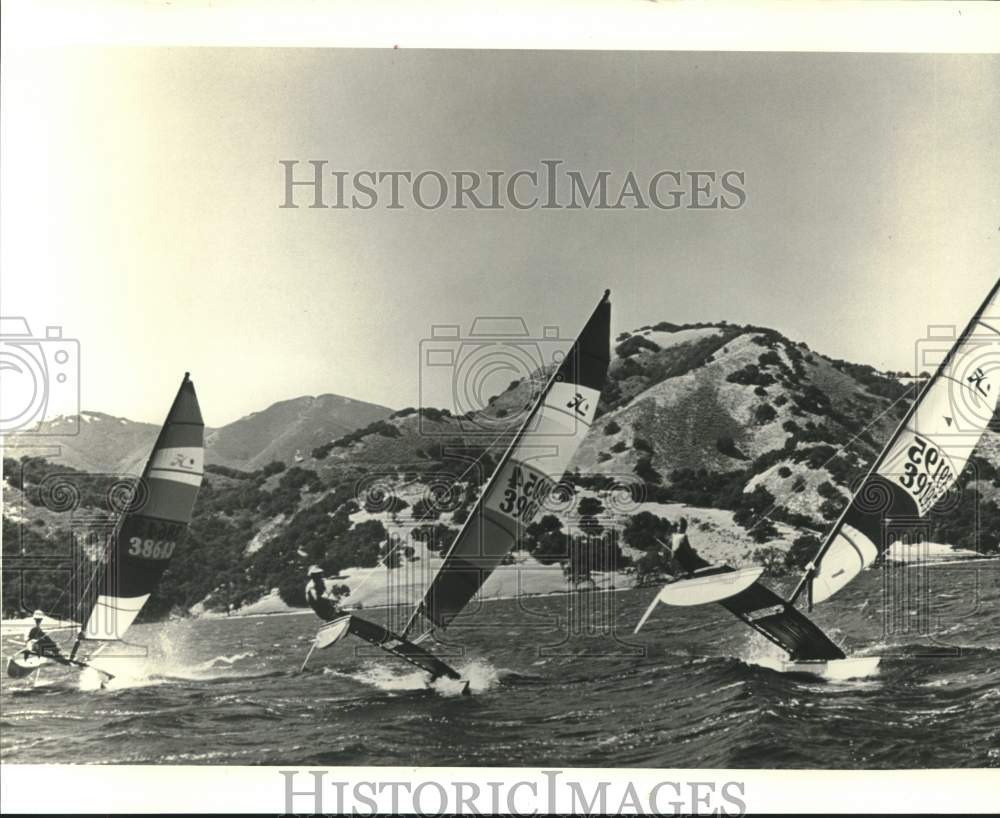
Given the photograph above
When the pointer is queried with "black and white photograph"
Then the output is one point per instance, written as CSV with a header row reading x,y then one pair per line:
x,y
578,409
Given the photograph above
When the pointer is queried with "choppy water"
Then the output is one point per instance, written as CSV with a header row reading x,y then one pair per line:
x,y
689,691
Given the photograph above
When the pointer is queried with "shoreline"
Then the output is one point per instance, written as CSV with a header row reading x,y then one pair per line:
x,y
777,581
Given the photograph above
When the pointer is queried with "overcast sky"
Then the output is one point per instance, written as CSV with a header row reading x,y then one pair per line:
x,y
141,197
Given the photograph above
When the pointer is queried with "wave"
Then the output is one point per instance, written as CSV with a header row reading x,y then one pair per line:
x,y
479,674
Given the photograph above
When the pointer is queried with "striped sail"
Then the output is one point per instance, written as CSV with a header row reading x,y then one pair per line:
x,y
151,529
531,467
922,460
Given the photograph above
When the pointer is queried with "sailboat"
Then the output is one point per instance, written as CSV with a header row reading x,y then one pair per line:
x,y
145,537
533,464
918,465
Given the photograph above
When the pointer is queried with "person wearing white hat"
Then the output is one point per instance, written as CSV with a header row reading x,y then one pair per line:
x,y
41,644
325,608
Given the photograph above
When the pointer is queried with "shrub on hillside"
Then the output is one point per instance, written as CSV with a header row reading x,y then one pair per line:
x,y
644,469
803,549
813,400
750,375
274,467
773,560
545,540
765,414
632,345
320,452
727,446
642,445
225,471
769,358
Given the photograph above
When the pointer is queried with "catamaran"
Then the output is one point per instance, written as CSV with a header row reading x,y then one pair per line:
x,y
920,463
533,464
145,537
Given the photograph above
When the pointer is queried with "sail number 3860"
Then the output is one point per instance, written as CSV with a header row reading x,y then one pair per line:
x,y
150,549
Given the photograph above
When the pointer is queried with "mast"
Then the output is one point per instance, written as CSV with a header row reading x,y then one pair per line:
x,y
807,578
527,475
147,533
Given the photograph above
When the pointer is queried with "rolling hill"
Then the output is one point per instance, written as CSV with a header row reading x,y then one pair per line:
x,y
283,431
754,437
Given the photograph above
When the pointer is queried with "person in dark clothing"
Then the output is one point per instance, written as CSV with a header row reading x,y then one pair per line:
x,y
38,642
324,607
683,559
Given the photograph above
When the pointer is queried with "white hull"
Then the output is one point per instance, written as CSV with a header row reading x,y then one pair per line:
x,y
19,665
700,590
854,667
332,632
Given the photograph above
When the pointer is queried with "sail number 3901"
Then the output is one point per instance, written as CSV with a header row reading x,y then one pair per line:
x,y
523,495
926,473
150,549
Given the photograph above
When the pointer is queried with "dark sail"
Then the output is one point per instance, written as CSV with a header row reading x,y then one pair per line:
x,y
152,527
533,464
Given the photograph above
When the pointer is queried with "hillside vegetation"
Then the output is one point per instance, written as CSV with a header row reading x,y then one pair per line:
x,y
753,436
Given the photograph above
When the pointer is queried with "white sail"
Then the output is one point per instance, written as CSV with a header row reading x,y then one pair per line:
x,y
923,458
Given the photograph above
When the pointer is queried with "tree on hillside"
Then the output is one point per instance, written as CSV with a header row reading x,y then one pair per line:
x,y
642,533
644,469
750,511
643,529
803,549
589,553
435,537
392,505
727,446
773,560
274,467
425,509
392,552
589,509
545,540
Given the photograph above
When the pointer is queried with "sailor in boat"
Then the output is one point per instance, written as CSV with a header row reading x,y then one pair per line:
x,y
38,642
683,559
325,608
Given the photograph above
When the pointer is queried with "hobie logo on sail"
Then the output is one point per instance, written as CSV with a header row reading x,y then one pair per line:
x,y
188,458
579,405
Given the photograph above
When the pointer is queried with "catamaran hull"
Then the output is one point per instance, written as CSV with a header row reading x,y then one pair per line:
x,y
20,666
332,632
854,667
711,587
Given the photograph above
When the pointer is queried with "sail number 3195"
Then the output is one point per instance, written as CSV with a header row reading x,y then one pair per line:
x,y
150,549
926,473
